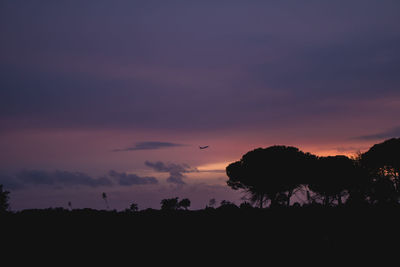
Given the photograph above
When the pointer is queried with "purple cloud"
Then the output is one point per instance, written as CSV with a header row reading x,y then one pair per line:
x,y
126,179
176,171
390,133
25,178
173,70
150,145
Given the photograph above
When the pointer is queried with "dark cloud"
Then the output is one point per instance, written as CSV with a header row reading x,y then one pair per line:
x,y
391,133
60,178
168,167
149,146
10,182
176,171
350,149
25,178
125,179
248,64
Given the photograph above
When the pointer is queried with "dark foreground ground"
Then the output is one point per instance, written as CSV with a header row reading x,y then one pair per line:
x,y
247,236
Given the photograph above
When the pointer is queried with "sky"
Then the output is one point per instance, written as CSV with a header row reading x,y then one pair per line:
x,y
117,96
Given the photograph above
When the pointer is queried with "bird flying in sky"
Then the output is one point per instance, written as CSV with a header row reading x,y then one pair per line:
x,y
203,147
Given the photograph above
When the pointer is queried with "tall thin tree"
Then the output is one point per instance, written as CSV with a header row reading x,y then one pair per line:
x,y
104,196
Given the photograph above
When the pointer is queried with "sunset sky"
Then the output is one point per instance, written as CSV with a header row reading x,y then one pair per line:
x,y
117,96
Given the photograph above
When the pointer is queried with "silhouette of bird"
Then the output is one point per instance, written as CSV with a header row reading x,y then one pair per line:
x,y
203,147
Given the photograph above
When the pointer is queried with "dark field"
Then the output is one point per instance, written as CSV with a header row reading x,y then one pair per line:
x,y
246,235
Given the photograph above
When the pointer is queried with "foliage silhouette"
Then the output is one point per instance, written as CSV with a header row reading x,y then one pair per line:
x,y
382,163
104,196
310,229
170,204
273,173
175,204
333,177
184,203
133,207
4,200
385,154
245,205
211,203
225,204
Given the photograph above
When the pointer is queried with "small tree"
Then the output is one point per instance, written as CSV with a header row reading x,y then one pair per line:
x,y
169,204
104,196
184,203
133,207
4,205
212,203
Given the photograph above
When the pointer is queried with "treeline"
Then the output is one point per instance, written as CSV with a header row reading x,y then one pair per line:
x,y
272,176
283,176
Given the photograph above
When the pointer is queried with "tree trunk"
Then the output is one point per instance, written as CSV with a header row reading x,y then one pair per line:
x,y
261,201
326,201
290,193
273,201
340,200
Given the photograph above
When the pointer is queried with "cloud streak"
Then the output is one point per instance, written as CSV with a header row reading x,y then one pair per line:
x,y
150,145
391,133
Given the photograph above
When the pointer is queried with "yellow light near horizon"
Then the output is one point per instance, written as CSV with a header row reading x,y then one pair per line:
x,y
218,166
333,152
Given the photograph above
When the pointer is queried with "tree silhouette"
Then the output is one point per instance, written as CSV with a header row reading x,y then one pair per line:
x,y
211,203
226,204
271,174
382,189
385,154
4,198
245,205
184,203
360,184
333,178
382,162
133,207
104,196
169,204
